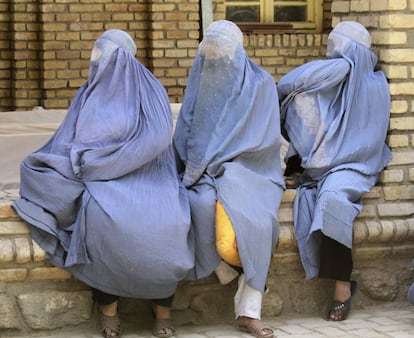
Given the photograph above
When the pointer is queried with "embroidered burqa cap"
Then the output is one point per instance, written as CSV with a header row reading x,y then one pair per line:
x,y
353,31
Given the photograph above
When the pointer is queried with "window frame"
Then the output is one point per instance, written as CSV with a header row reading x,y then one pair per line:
x,y
266,24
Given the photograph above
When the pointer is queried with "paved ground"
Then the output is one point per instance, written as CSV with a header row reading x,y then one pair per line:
x,y
375,322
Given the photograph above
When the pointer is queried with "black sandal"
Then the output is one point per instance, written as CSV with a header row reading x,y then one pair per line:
x,y
110,326
342,308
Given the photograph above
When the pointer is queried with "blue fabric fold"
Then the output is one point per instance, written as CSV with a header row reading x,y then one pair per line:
x,y
228,141
103,195
335,114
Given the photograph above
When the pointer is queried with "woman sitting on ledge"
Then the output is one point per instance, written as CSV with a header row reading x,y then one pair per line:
x,y
103,196
335,115
228,143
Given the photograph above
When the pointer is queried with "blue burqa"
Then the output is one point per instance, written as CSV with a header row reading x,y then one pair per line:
x,y
335,113
102,196
228,141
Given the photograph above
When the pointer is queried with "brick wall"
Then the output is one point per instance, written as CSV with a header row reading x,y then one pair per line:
x,y
45,45
175,38
5,55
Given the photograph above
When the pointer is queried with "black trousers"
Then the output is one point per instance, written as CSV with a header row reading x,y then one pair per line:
x,y
336,260
103,298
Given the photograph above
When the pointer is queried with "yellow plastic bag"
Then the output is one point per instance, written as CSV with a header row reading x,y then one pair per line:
x,y
225,237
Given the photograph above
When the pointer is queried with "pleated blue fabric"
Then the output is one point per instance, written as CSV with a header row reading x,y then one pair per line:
x,y
410,292
228,141
335,113
103,196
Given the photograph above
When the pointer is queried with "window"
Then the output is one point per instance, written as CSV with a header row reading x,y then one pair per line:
x,y
299,14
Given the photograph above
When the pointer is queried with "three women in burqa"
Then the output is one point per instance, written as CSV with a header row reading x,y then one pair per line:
x,y
335,115
104,201
103,197
228,140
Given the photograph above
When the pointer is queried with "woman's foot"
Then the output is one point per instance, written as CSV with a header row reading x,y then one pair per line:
x,y
341,304
110,322
163,326
254,326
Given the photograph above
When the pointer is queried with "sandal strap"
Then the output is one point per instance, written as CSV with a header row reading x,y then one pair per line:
x,y
112,323
343,308
163,324
256,327
339,306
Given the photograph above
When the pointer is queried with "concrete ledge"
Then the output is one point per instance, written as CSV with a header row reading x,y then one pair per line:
x,y
366,232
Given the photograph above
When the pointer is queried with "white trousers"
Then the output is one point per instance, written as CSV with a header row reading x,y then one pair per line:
x,y
247,301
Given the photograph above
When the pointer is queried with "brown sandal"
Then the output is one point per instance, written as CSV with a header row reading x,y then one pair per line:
x,y
110,326
255,327
163,328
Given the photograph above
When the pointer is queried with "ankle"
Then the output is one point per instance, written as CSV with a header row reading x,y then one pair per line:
x,y
342,290
245,319
162,312
110,310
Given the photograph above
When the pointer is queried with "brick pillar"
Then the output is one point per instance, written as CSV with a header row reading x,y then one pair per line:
x,y
174,38
5,56
25,65
69,30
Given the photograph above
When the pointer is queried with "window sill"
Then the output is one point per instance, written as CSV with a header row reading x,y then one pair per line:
x,y
265,28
